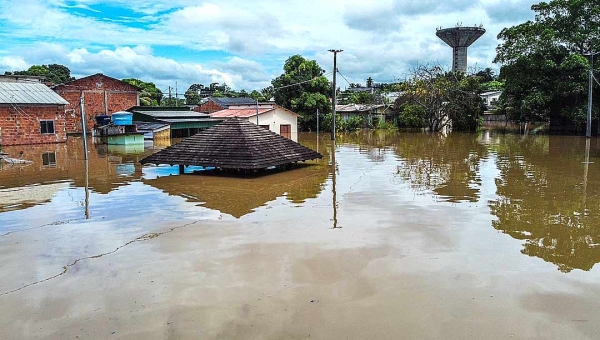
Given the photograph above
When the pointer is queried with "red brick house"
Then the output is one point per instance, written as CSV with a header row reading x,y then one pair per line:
x,y
30,113
102,95
215,104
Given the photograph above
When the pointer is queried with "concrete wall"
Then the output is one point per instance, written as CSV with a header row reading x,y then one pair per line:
x,y
21,124
276,118
101,94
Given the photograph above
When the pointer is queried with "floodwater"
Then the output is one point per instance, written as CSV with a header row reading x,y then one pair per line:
x,y
393,236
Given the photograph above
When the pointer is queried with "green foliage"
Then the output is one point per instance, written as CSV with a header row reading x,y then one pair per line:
x,y
411,116
351,124
486,75
54,73
303,89
192,95
442,98
257,96
150,94
544,71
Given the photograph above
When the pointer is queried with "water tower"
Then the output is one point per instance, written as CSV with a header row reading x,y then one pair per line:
x,y
460,38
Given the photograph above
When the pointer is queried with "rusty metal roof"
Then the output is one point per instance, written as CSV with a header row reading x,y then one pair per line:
x,y
29,93
234,144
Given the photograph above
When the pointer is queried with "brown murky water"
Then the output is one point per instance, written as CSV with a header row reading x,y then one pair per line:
x,y
392,236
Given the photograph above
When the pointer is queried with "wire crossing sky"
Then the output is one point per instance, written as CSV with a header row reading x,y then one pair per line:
x,y
244,43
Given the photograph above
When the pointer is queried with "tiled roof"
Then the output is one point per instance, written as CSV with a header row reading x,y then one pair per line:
x,y
171,114
242,113
234,144
29,93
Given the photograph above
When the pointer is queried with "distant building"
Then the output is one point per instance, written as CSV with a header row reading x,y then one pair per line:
x,y
181,121
214,104
369,112
102,95
270,116
30,113
490,98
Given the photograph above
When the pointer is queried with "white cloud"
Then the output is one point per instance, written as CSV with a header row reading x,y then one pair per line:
x,y
382,39
13,63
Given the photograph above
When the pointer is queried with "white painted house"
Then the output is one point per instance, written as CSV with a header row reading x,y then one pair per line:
x,y
490,98
270,116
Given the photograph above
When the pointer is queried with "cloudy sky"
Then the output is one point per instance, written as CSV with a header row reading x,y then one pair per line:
x,y
244,43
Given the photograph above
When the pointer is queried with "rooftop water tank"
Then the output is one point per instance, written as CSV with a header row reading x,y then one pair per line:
x,y
102,120
122,118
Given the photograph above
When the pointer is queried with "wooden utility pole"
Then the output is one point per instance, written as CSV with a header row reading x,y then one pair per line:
x,y
334,101
84,127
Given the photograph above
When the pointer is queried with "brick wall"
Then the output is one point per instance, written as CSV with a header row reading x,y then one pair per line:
x,y
209,107
102,95
21,124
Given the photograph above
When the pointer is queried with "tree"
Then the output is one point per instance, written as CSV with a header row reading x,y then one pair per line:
x,y
443,98
150,94
192,95
54,73
268,93
486,75
303,88
257,96
544,64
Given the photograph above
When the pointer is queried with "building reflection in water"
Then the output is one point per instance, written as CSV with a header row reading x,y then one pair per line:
x,y
544,198
56,167
238,196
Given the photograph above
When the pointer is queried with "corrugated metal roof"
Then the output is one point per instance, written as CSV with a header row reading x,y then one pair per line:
x,y
28,93
357,107
225,101
172,114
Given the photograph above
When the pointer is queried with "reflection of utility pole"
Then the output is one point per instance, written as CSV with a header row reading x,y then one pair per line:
x,y
586,165
588,131
335,52
333,178
87,190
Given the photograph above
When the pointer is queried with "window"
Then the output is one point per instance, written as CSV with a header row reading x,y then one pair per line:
x,y
285,131
49,159
46,126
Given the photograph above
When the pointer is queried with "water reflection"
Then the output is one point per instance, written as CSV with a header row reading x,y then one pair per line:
x,y
545,198
238,196
55,167
447,165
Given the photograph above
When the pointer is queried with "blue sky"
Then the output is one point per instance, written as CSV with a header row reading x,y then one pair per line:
x,y
244,43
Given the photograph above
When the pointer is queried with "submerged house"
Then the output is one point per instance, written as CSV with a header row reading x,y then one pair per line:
x,y
102,95
234,144
30,113
269,116
181,121
370,113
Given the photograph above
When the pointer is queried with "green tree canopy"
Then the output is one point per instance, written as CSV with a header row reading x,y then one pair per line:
x,y
54,73
442,98
150,95
303,89
544,64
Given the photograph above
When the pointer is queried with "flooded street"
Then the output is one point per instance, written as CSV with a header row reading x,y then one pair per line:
x,y
395,235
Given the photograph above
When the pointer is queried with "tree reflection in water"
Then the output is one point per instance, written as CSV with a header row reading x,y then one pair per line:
x,y
447,165
543,201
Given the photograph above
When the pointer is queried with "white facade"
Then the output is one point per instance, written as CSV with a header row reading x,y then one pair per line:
x,y
277,118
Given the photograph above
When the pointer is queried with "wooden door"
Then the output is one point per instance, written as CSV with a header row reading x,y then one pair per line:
x,y
286,131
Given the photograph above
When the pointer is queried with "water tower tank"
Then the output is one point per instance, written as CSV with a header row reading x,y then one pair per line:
x,y
460,38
